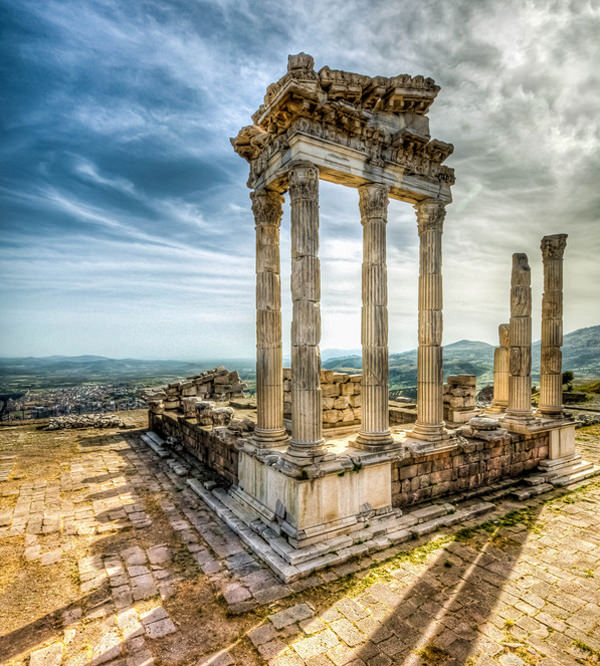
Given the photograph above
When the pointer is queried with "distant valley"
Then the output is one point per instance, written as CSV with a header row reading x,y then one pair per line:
x,y
581,354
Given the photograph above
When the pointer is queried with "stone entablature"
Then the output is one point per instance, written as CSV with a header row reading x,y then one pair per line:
x,y
341,398
382,119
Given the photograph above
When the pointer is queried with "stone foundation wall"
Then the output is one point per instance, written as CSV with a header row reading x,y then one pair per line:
x,y
216,453
475,464
341,394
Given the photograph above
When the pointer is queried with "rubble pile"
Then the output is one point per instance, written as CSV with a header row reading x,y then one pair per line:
x,y
341,397
459,398
85,421
218,384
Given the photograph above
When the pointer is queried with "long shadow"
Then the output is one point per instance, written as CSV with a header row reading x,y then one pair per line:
x,y
439,614
35,633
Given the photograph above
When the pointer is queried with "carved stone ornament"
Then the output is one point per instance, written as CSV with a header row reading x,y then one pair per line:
x,y
384,118
267,207
553,247
373,200
304,181
430,215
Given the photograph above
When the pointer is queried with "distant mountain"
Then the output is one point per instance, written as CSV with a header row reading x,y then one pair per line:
x,y
55,371
581,354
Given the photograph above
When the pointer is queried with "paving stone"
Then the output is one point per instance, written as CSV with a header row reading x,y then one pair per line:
x,y
108,648
160,628
262,634
348,632
48,656
129,624
316,644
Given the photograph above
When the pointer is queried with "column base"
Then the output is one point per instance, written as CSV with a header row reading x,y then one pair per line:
x,y
496,408
550,412
519,422
306,453
429,433
375,441
270,437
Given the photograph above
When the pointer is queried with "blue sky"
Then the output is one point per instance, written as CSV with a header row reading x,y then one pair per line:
x,y
126,224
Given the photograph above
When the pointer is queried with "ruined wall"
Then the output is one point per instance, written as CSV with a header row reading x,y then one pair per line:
x,y
459,398
216,384
472,465
217,452
341,394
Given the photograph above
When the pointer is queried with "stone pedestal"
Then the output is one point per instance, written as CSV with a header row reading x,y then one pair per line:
x,y
316,508
553,248
430,410
374,429
501,371
306,443
519,410
267,209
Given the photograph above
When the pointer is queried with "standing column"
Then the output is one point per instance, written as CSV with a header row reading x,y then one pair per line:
x,y
306,442
553,248
267,209
430,408
375,430
519,382
501,370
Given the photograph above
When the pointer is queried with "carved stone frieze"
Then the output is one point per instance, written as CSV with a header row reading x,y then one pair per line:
x,y
383,118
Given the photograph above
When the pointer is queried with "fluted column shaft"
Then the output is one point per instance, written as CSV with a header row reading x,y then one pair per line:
x,y
374,431
430,408
307,441
267,209
519,387
553,248
501,369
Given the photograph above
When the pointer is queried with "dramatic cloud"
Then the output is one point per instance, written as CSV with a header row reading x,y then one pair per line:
x,y
126,225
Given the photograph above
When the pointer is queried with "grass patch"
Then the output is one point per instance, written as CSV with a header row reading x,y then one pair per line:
x,y
584,647
432,654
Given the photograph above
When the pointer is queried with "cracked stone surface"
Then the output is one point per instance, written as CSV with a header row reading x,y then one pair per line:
x,y
82,583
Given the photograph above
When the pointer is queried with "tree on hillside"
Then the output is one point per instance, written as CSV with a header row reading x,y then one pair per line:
x,y
567,378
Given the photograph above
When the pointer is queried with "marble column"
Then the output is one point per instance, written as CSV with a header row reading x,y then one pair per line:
x,y
267,209
374,430
519,381
306,443
501,370
430,409
553,248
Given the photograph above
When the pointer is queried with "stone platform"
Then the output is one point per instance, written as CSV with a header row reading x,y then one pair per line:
x,y
326,520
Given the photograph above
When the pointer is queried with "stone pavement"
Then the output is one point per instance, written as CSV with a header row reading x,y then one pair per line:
x,y
109,558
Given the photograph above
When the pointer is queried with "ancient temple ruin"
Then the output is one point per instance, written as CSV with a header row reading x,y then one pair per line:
x,y
303,495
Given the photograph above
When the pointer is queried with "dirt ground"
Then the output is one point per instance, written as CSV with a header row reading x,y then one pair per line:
x,y
105,559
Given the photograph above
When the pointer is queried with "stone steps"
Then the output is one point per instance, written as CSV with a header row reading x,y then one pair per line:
x,y
156,446
531,491
579,473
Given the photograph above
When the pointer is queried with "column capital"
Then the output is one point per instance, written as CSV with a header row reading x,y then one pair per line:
x,y
553,247
303,181
267,207
373,201
430,215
